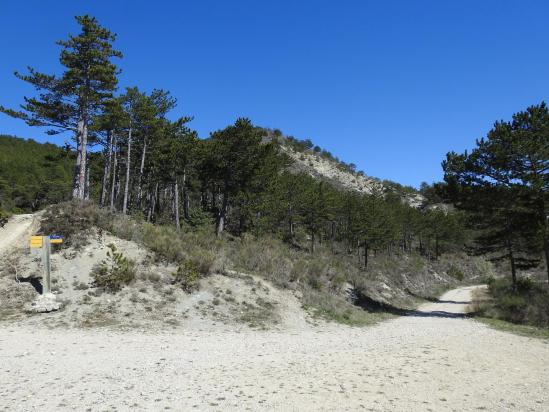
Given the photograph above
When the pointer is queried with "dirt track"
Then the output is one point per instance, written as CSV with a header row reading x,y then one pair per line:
x,y
436,360
433,361
14,230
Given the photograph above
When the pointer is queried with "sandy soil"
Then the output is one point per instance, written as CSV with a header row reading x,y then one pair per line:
x,y
14,230
435,360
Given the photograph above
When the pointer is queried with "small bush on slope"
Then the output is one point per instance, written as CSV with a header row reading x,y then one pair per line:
x,y
114,273
3,217
187,276
74,221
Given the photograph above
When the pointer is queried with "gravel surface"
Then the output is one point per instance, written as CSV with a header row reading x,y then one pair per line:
x,y
436,360
14,230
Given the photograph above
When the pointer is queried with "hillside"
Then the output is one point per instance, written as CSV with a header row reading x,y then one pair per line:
x,y
32,174
320,164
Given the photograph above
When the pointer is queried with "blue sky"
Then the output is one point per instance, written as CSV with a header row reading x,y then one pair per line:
x,y
388,85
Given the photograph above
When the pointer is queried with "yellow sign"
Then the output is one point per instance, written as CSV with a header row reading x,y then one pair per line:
x,y
55,241
36,241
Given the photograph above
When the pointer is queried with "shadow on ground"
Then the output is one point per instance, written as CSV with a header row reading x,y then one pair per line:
x,y
35,282
372,305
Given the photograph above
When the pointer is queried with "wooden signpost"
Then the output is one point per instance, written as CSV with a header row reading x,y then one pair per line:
x,y
44,243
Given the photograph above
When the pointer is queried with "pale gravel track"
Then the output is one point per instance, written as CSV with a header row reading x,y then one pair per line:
x,y
434,361
13,232
426,362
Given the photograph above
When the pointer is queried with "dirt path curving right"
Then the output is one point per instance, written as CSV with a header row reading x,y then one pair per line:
x,y
435,360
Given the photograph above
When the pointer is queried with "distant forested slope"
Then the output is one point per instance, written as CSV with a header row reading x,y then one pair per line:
x,y
33,174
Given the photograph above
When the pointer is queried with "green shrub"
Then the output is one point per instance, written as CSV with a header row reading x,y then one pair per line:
x,y
4,216
154,277
203,261
527,304
526,285
456,272
417,263
482,267
74,221
187,276
115,272
298,269
314,282
336,308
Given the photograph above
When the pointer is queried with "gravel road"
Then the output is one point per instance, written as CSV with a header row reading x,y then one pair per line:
x,y
436,360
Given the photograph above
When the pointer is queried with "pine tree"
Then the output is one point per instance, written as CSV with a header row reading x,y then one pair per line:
x,y
376,226
481,183
235,163
316,209
173,158
71,101
108,127
528,161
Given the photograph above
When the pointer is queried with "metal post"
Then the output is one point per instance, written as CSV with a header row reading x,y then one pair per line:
x,y
46,279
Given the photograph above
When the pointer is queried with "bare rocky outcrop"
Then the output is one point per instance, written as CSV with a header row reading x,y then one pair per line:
x,y
319,167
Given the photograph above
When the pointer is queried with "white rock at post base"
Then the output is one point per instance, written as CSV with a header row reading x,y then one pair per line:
x,y
45,303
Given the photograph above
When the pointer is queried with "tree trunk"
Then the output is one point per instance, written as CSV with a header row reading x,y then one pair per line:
x,y
75,185
214,196
204,199
313,241
332,238
140,178
543,218
241,224
153,203
291,227
365,255
118,186
186,202
222,215
106,169
176,204
79,184
87,184
513,269
546,253
128,164
114,174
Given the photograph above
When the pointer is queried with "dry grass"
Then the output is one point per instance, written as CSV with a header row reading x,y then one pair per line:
x,y
321,278
523,330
